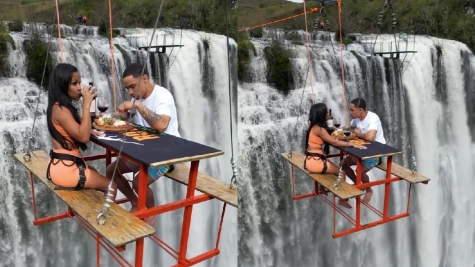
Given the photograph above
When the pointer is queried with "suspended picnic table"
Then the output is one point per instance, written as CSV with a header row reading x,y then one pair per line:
x,y
145,148
348,191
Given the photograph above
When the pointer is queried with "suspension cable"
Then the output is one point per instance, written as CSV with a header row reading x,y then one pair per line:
x,y
342,66
27,156
308,51
59,32
111,43
101,217
298,115
233,183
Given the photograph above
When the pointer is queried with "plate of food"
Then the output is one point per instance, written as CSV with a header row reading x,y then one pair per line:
x,y
107,123
340,135
359,142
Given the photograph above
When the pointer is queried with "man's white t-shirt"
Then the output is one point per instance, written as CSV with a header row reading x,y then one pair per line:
x,y
160,101
370,122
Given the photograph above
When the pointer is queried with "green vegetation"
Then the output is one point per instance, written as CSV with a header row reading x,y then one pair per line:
x,y
5,40
201,15
15,26
37,53
279,66
245,47
447,19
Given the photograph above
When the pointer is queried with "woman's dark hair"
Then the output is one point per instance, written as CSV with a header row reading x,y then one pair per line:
x,y
59,82
317,116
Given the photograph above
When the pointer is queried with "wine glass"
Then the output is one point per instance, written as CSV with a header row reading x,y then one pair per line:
x,y
102,105
347,130
337,122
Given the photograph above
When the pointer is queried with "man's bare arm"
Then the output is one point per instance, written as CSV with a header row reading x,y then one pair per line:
x,y
369,136
156,121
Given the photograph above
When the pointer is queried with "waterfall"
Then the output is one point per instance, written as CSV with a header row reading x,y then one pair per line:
x,y
427,110
203,114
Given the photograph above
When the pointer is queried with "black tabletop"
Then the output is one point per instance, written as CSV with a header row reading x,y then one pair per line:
x,y
373,150
153,149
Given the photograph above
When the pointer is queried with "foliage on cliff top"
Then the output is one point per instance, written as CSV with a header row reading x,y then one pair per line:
x,y
201,15
440,18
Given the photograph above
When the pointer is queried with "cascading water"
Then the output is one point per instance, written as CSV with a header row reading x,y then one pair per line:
x,y
203,112
427,111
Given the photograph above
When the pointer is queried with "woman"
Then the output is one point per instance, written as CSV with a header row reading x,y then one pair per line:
x,y
70,132
317,136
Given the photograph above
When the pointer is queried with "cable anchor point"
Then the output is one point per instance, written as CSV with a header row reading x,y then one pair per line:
x,y
414,165
27,157
101,217
233,183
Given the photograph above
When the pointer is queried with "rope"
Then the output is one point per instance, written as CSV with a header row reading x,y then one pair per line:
x,y
308,51
59,33
345,117
337,184
298,116
233,183
101,217
309,71
413,159
312,10
112,55
27,156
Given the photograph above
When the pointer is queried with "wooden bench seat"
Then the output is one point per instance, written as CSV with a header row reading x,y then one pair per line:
x,y
403,173
206,184
345,191
120,228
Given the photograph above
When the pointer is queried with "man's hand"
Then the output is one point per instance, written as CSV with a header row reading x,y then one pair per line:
x,y
126,106
358,133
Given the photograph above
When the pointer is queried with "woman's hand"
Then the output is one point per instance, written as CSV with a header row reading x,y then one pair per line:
x,y
96,133
358,146
87,95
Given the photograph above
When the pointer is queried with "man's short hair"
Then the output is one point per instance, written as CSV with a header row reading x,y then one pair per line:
x,y
359,103
134,69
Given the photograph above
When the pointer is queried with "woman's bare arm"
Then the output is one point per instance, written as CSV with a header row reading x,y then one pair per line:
x,y
80,132
322,133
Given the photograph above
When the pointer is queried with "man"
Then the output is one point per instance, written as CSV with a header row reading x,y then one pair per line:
x,y
156,109
368,127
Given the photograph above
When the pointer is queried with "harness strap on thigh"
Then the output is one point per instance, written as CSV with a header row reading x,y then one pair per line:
x,y
318,155
78,161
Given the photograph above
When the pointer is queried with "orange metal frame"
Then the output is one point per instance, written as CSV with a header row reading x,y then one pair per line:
x,y
142,213
384,214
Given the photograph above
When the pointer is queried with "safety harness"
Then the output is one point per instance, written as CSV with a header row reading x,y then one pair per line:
x,y
76,160
313,155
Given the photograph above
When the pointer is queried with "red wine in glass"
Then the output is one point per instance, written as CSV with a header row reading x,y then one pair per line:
x,y
337,122
102,108
347,133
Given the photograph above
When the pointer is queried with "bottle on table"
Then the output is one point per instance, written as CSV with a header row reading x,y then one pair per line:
x,y
93,107
330,120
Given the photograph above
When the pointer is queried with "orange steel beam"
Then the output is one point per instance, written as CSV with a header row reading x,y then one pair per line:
x,y
113,251
387,188
183,203
142,196
312,10
185,228
186,203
